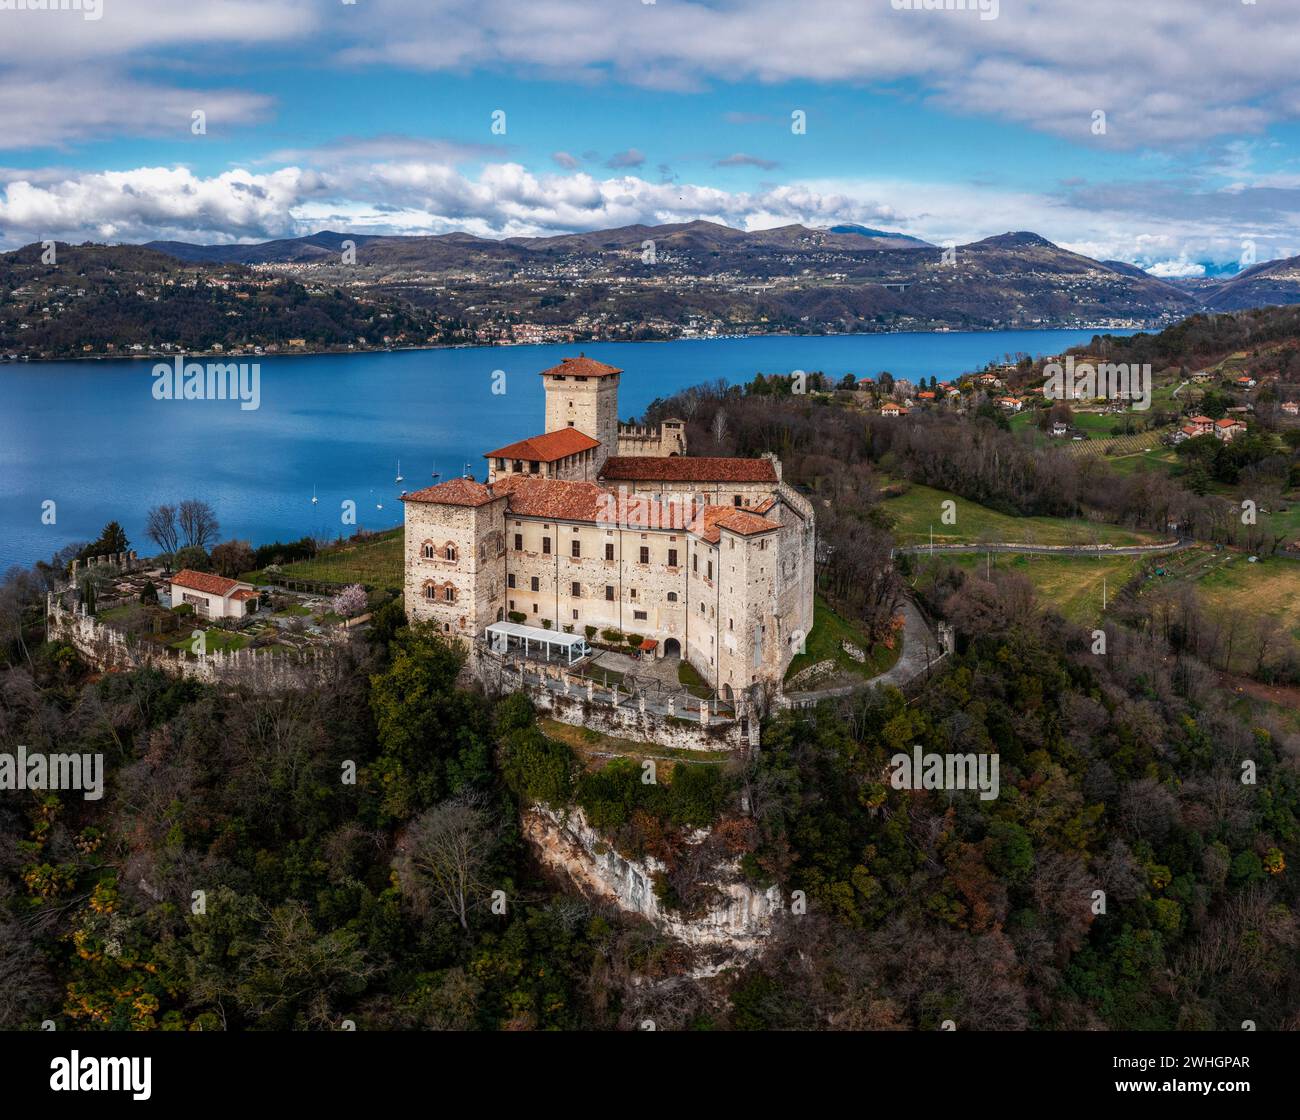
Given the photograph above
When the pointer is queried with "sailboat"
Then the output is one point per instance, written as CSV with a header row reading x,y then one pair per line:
x,y
399,471
314,499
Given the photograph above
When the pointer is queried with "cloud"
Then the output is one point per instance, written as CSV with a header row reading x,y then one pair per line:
x,y
629,158
1180,269
568,162
740,159
506,199
1143,64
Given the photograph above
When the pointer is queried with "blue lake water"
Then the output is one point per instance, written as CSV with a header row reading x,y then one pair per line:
x,y
90,436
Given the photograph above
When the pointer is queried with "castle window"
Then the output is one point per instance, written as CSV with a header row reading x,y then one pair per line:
x,y
510,580
534,608
736,499
609,551
672,596
672,557
430,592
546,546
645,555
639,615
519,542
428,550
632,593
575,547
449,552
609,593
695,562
710,573
577,590
533,583
449,594
731,624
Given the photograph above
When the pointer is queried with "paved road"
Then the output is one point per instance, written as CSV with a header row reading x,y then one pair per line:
x,y
1049,550
919,650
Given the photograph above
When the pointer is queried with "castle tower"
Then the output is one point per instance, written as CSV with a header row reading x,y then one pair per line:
x,y
455,557
582,393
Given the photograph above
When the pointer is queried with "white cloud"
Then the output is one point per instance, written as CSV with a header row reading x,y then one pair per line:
x,y
1180,269
422,196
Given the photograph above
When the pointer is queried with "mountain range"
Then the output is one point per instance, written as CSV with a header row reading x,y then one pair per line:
x,y
700,277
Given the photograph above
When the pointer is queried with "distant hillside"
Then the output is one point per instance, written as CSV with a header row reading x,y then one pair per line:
x,y
109,300
791,278
1273,282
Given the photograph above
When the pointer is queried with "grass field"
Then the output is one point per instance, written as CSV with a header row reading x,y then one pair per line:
x,y
377,563
1230,588
920,509
824,644
1069,585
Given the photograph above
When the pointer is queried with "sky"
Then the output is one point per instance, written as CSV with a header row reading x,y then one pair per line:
x,y
1165,133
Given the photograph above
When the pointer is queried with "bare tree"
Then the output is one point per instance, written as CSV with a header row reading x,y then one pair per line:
x,y
198,522
160,524
719,425
443,855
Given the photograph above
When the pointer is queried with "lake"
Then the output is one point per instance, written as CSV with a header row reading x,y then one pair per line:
x,y
90,436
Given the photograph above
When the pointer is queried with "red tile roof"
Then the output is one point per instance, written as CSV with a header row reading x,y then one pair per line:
x,y
453,492
1228,422
244,593
585,501
581,366
686,468
206,582
714,518
546,448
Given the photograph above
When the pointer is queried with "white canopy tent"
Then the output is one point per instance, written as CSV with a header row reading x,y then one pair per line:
x,y
536,642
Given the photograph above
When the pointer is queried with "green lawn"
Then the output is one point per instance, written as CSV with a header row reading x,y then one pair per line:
x,y
1070,585
921,508
226,640
377,563
824,644
690,680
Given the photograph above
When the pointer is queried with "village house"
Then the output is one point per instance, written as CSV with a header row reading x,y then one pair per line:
x,y
891,409
213,596
1010,404
1060,427
708,560
1228,428
1291,408
1199,425
1245,382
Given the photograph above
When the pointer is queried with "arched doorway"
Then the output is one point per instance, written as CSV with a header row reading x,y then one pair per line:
x,y
672,647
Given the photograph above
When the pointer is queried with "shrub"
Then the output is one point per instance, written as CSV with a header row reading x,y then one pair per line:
x,y
183,608
615,636
516,616
538,768
546,624
634,640
149,593
516,711
590,631
696,794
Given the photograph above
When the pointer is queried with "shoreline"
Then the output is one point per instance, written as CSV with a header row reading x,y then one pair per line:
x,y
160,356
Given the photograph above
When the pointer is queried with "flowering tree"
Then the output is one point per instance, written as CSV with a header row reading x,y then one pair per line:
x,y
350,601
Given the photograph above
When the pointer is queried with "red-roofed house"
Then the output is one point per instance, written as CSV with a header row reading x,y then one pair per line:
x,y
1227,429
213,596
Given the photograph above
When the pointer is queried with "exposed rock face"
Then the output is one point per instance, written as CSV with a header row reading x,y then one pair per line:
x,y
737,925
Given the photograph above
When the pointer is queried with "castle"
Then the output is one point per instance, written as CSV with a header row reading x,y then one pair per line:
x,y
595,525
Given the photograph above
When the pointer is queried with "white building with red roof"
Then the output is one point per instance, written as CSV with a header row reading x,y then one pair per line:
x,y
213,596
709,558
